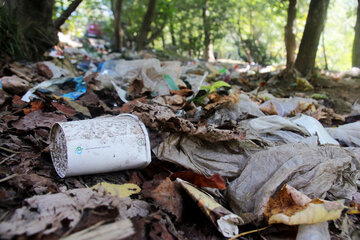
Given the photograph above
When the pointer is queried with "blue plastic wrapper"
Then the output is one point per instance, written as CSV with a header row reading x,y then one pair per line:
x,y
0,84
80,88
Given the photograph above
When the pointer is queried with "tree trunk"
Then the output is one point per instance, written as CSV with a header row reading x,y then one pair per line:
x,y
146,25
324,51
172,32
118,34
356,45
315,21
34,22
290,34
66,14
206,24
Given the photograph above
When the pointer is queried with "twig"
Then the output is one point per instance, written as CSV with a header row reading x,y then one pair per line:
x,y
8,177
246,233
7,158
8,150
2,217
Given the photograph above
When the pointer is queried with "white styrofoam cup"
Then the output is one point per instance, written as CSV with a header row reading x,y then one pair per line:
x,y
99,145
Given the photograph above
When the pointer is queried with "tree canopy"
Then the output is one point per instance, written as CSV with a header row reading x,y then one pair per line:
x,y
248,30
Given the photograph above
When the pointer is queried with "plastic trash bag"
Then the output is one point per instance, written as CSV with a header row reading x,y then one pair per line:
x,y
285,107
150,71
268,124
227,158
348,134
279,130
316,171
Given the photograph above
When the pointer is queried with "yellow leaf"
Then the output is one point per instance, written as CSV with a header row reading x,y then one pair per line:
x,y
314,212
204,199
292,207
353,211
123,190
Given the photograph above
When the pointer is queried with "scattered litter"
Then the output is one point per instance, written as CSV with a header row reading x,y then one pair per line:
x,y
218,126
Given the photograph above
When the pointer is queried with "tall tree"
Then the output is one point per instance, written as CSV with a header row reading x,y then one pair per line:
x,y
290,33
315,21
206,24
146,25
356,44
116,6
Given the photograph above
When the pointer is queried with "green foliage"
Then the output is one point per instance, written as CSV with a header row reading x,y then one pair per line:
x,y
248,30
213,87
210,89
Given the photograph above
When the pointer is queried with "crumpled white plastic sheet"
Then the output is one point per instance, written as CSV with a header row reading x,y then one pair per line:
x,y
285,106
225,158
316,171
348,134
280,130
150,71
314,127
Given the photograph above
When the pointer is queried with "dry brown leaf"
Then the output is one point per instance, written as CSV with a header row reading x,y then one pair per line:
x,y
304,106
269,109
318,114
175,100
166,195
35,106
38,119
161,117
217,99
182,92
68,111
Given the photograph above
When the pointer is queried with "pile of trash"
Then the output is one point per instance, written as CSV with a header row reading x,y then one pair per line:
x,y
234,155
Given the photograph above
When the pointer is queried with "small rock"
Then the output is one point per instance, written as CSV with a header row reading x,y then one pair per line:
x,y
15,85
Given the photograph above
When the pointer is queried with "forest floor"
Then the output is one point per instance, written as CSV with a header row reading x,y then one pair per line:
x,y
185,128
